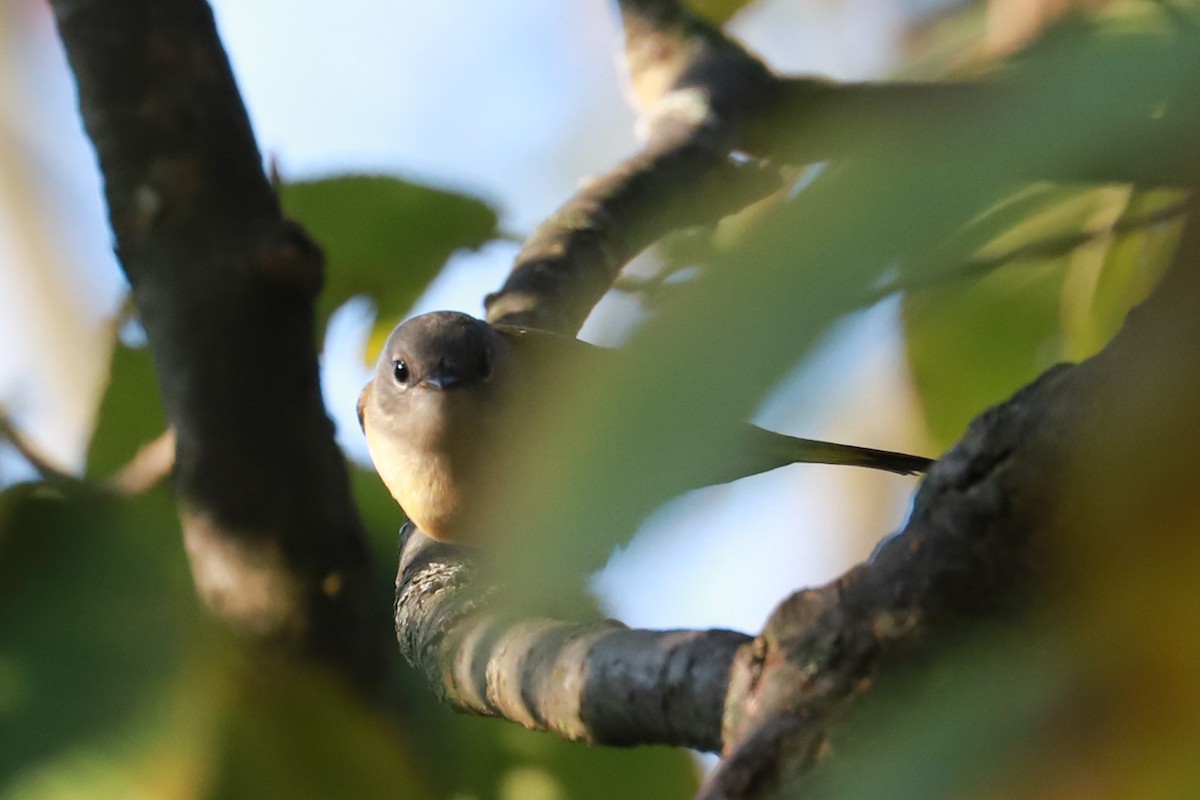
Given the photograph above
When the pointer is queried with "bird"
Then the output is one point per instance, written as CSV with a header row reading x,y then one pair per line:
x,y
443,385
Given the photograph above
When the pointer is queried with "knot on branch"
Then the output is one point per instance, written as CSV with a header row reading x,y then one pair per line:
x,y
287,258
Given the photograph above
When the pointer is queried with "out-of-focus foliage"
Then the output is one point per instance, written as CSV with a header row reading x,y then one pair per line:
x,y
475,757
130,413
1052,279
384,237
113,685
1002,330
951,731
669,405
717,11
1112,275
95,619
382,517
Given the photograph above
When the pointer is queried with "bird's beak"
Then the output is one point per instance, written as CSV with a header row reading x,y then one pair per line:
x,y
441,380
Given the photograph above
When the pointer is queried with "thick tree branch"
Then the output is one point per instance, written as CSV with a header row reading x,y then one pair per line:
x,y
1094,449
601,682
225,288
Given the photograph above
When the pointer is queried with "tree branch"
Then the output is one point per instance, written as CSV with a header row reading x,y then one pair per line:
x,y
150,465
599,682
697,87
33,455
225,288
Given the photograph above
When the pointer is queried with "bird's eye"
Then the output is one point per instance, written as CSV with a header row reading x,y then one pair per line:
x,y
400,371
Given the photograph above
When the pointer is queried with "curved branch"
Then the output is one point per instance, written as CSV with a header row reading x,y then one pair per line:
x,y
698,87
598,682
225,288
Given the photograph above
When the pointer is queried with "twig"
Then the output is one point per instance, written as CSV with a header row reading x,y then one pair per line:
x,y
1042,249
151,465
33,455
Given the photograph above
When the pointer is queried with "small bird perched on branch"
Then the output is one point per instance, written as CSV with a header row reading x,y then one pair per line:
x,y
444,380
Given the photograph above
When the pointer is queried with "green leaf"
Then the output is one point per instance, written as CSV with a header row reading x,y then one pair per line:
x,y
717,12
961,730
972,343
384,237
113,685
95,608
294,733
1117,273
971,346
130,414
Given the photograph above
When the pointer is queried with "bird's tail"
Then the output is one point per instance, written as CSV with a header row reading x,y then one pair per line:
x,y
766,450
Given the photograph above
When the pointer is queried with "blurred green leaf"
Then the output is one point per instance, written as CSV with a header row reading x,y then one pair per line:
x,y
975,339
95,607
971,346
384,237
580,772
1119,272
112,684
959,730
296,734
717,11
130,414
1036,220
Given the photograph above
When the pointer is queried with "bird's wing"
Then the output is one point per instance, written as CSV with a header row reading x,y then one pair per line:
x,y
759,451
538,346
